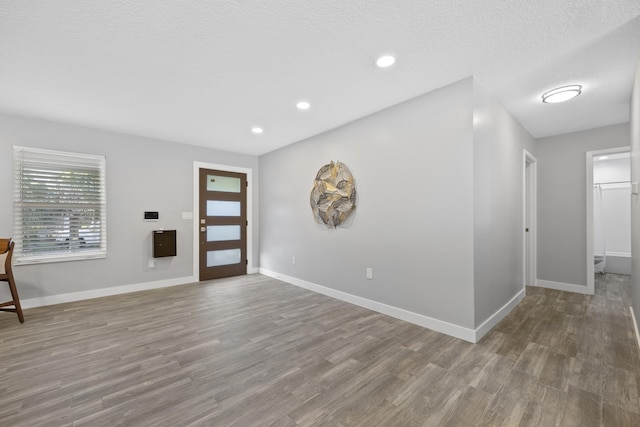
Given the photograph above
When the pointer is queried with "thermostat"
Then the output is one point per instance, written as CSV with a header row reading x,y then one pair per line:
x,y
151,215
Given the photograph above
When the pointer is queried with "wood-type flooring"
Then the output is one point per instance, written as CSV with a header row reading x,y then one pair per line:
x,y
253,351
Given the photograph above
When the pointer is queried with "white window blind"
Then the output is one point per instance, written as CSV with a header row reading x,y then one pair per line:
x,y
59,206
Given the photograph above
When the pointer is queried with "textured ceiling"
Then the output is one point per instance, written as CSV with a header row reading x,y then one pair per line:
x,y
205,72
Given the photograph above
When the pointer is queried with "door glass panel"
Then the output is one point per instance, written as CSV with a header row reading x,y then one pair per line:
x,y
224,257
222,208
219,233
227,184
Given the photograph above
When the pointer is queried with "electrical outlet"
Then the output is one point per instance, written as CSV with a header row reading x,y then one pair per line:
x,y
369,273
293,260
151,263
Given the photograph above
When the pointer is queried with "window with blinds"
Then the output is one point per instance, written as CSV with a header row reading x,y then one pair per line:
x,y
59,206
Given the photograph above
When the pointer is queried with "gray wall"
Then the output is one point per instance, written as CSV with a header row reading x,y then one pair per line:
x,y
142,174
635,199
498,143
413,164
562,217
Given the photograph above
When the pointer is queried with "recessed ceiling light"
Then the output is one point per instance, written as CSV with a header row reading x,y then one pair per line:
x,y
603,157
257,130
385,61
561,94
303,105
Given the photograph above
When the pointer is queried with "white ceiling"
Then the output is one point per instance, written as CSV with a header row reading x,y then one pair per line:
x,y
205,72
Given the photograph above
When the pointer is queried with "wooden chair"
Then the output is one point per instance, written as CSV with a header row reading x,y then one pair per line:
x,y
6,275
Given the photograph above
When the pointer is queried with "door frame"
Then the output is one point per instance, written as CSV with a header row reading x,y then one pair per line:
x,y
531,176
589,192
196,205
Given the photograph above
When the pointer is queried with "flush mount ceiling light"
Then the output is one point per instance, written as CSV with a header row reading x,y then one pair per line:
x,y
385,61
561,94
603,157
303,105
257,130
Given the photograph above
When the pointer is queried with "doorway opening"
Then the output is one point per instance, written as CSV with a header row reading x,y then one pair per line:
x,y
608,213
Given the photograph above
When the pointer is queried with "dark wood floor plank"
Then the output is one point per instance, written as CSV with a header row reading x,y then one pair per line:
x,y
468,408
556,371
545,407
619,388
586,373
583,409
615,416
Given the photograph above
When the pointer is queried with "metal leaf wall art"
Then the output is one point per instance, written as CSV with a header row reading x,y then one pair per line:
x,y
333,197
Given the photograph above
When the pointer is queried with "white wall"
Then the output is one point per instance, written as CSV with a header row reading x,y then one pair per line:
x,y
439,217
142,174
616,204
498,143
616,168
634,121
616,212
413,165
562,217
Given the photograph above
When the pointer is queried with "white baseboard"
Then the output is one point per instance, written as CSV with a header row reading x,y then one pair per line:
x,y
560,286
635,325
451,329
253,270
493,320
619,254
103,292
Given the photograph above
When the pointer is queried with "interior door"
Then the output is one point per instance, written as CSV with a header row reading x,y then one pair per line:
x,y
223,224
530,222
527,224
